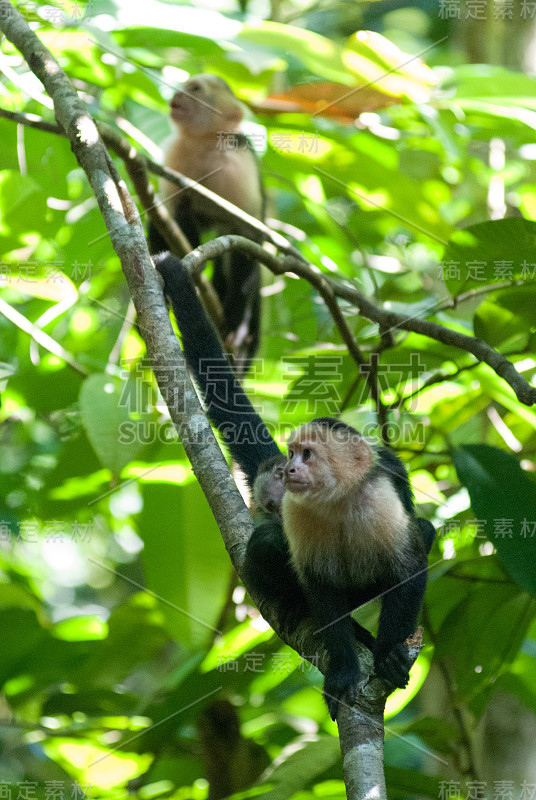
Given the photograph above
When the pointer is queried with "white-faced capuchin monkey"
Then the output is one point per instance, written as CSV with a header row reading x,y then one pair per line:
x,y
349,518
211,149
350,531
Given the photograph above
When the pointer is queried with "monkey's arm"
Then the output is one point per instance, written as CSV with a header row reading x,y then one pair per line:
x,y
228,407
398,621
427,532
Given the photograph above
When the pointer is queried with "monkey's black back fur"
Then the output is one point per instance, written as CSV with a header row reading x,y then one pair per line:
x,y
390,464
228,407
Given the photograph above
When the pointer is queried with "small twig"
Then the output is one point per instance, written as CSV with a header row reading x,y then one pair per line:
x,y
454,302
196,260
349,394
441,377
39,336
126,327
392,320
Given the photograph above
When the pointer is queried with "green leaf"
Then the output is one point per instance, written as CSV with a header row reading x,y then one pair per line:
x,y
81,629
307,760
104,402
490,83
497,325
482,635
503,496
322,56
484,254
411,783
184,559
439,734
161,38
23,205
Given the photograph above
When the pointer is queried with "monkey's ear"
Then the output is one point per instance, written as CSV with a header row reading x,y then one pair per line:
x,y
361,453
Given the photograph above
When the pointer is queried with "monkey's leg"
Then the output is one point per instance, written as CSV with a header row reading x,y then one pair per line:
x,y
239,290
185,219
398,621
363,636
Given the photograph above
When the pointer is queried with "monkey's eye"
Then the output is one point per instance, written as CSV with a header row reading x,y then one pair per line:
x,y
307,453
291,453
194,87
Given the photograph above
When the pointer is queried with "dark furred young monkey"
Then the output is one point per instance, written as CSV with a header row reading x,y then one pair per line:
x,y
349,517
211,149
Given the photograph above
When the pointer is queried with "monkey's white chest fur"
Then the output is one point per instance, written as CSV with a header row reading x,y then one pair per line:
x,y
349,540
231,173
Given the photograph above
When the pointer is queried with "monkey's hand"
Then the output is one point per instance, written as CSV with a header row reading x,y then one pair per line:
x,y
394,666
340,686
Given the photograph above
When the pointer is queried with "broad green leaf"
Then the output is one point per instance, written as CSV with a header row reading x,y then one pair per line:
x,y
162,38
375,61
489,253
496,388
521,679
503,496
483,634
487,82
407,783
23,205
104,407
184,559
81,629
521,300
497,325
439,734
307,759
322,56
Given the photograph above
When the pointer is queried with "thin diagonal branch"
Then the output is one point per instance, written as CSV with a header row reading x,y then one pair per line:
x,y
389,321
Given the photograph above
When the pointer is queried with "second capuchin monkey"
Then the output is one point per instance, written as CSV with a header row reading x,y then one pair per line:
x,y
349,517
211,149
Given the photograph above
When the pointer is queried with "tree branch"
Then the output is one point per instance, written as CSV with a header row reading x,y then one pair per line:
x,y
128,239
387,320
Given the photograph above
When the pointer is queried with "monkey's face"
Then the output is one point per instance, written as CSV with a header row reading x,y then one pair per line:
x,y
205,104
269,489
326,463
308,470
277,487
